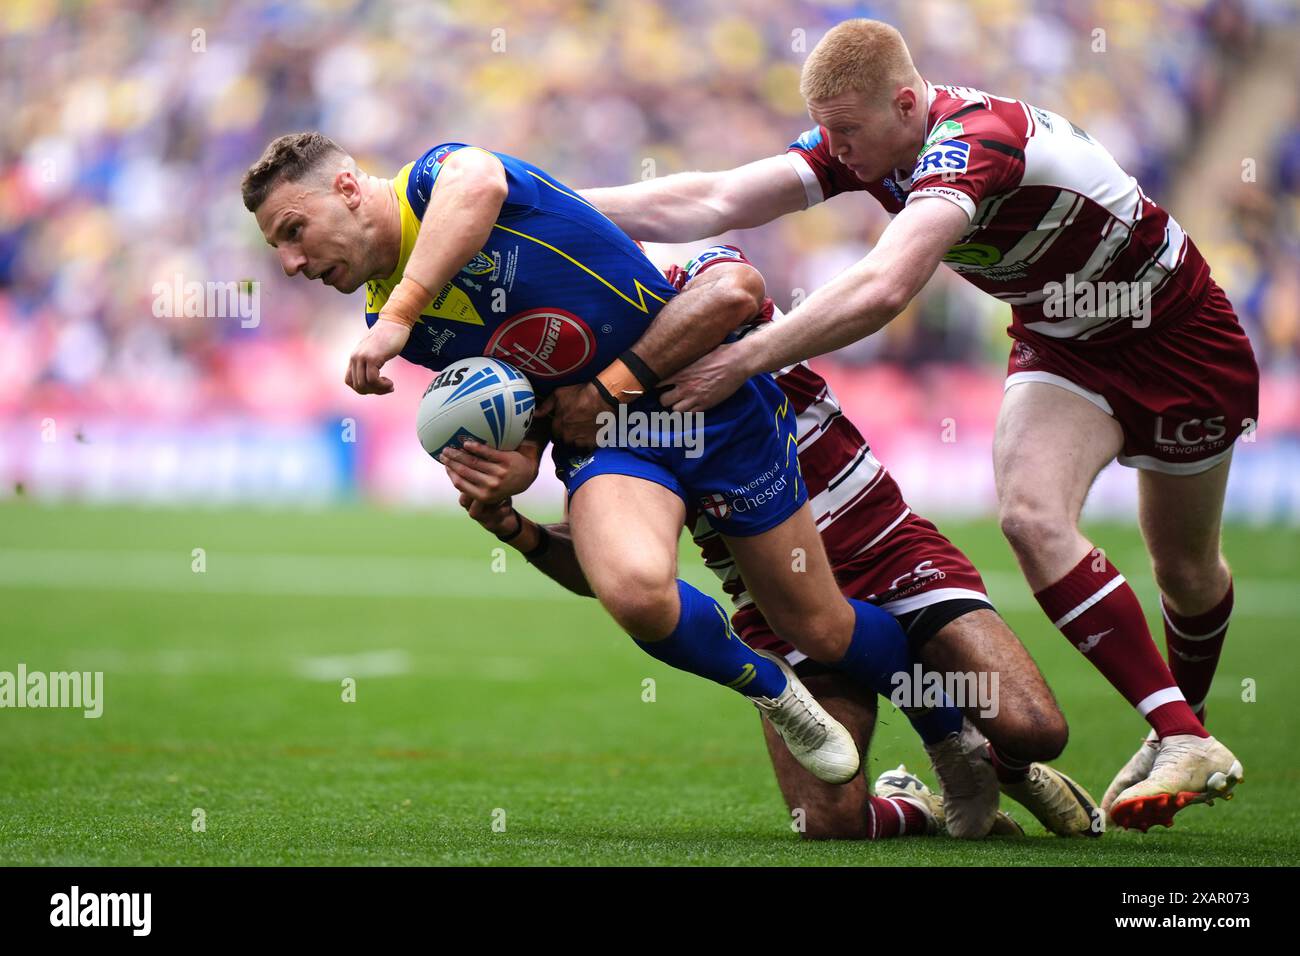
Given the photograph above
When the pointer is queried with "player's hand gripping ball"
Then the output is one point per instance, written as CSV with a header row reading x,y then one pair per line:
x,y
479,398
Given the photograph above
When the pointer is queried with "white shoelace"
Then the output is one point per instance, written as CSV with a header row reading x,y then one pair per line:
x,y
802,723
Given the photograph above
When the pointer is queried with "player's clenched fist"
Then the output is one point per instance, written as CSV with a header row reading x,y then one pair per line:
x,y
383,342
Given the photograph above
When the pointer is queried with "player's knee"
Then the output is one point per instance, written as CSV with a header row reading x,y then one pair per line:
x,y
822,633
1189,578
1047,737
1030,733
644,602
1031,526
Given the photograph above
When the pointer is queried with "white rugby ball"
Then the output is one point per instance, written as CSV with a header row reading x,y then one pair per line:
x,y
479,398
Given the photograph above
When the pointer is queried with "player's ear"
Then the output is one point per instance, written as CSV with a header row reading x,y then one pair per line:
x,y
346,185
905,101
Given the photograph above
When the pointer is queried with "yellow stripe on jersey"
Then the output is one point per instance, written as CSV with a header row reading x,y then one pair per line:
x,y
638,288
563,192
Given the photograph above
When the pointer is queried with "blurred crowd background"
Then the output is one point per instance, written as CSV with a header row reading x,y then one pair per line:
x,y
128,124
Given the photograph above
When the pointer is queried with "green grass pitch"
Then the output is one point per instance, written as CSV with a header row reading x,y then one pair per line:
x,y
489,696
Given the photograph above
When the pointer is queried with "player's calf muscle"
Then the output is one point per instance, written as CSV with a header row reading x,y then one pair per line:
x,y
821,811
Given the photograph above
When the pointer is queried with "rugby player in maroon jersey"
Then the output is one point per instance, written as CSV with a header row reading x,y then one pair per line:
x,y
881,551
1124,347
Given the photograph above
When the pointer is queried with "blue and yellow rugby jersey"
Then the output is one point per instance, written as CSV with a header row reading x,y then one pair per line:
x,y
558,290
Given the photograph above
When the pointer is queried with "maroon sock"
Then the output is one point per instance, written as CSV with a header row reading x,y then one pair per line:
x,y
1195,643
893,817
1097,611
1008,769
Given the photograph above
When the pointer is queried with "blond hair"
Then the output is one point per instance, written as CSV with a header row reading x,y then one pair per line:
x,y
858,56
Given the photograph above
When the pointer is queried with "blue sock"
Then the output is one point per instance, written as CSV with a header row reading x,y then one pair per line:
x,y
879,651
704,644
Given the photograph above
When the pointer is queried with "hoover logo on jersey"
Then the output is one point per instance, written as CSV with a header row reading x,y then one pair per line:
x,y
949,157
544,343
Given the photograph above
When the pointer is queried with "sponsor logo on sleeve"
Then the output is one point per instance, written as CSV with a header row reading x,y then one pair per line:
x,y
712,254
951,156
948,129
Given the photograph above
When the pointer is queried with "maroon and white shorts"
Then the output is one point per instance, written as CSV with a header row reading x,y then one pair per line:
x,y
1182,395
914,573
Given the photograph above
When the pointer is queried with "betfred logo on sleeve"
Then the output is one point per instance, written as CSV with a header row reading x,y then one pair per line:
x,y
952,157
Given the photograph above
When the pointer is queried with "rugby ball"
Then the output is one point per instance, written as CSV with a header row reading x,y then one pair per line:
x,y
479,398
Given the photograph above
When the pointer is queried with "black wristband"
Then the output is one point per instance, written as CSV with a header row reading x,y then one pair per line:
x,y
542,546
644,374
519,528
604,393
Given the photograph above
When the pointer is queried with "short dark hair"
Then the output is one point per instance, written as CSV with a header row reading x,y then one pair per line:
x,y
287,158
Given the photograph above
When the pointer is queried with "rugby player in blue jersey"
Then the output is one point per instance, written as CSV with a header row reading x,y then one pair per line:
x,y
468,252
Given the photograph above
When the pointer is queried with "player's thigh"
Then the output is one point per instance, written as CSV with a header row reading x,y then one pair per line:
x,y
1182,515
787,574
826,811
1015,708
1049,446
625,531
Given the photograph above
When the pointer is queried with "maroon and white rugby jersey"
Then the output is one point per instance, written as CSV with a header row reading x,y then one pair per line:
x,y
855,502
1046,201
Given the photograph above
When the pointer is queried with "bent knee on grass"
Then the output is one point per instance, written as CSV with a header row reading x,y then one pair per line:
x,y
1021,718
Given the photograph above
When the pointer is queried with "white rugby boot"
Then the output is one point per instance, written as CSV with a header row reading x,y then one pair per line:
x,y
817,740
970,787
906,785
1138,767
1187,770
1058,803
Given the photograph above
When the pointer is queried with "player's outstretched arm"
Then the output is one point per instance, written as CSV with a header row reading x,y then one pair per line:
x,y
692,323
688,206
465,203
859,301
548,548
